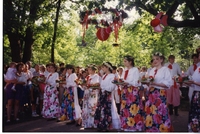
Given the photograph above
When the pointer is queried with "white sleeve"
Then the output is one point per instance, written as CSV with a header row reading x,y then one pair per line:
x,y
109,86
135,78
72,80
179,70
167,78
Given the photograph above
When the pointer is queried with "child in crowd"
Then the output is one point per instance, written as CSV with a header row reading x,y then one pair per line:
x,y
11,75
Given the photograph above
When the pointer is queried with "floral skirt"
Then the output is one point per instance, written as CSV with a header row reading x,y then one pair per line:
x,y
194,113
157,118
89,107
103,117
131,110
67,106
51,107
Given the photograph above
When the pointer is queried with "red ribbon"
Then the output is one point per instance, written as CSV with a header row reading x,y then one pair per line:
x,y
49,76
175,86
126,74
155,72
195,66
170,66
105,77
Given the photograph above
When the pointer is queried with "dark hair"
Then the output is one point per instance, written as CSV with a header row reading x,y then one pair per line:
x,y
47,65
194,55
160,55
62,69
18,65
108,65
130,59
171,57
61,64
114,67
68,66
151,60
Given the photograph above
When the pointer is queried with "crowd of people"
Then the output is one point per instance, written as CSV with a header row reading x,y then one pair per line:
x,y
106,97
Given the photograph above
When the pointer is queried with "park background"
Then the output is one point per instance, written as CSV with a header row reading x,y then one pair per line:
x,y
50,31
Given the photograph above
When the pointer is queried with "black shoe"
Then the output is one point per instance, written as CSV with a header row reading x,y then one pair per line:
x,y
170,109
176,111
51,119
71,122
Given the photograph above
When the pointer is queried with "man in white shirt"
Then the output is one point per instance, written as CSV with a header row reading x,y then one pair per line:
x,y
190,71
173,94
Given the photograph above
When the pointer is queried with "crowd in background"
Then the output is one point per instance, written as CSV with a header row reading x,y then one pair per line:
x,y
105,97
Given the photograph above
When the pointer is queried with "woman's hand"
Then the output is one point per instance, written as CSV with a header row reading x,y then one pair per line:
x,y
190,82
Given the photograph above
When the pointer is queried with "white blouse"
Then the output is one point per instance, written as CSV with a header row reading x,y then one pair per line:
x,y
162,76
132,77
196,78
51,79
94,79
70,80
106,84
175,69
22,78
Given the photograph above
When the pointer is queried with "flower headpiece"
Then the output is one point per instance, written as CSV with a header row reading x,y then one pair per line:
x,y
92,66
107,65
157,54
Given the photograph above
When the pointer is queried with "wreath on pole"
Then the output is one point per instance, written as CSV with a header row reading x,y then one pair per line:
x,y
106,21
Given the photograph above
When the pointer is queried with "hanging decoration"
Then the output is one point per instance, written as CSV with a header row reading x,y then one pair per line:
x,y
102,34
159,22
106,21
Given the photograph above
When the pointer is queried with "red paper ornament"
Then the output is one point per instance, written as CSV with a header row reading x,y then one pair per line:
x,y
108,30
102,34
158,28
155,22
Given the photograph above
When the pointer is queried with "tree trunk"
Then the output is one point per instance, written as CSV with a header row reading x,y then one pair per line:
x,y
27,52
55,30
15,47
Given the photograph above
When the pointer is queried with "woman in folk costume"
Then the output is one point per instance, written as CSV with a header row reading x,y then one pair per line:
x,y
51,107
131,103
194,113
90,98
106,116
173,94
157,118
70,107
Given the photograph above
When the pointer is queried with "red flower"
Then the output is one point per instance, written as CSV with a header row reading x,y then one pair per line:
x,y
138,118
147,110
158,102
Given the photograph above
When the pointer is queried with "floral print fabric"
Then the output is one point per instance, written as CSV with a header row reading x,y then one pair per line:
x,y
67,106
131,110
89,107
103,117
194,113
157,118
51,107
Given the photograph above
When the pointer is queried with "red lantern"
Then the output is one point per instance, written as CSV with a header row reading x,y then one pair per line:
x,y
102,34
155,22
